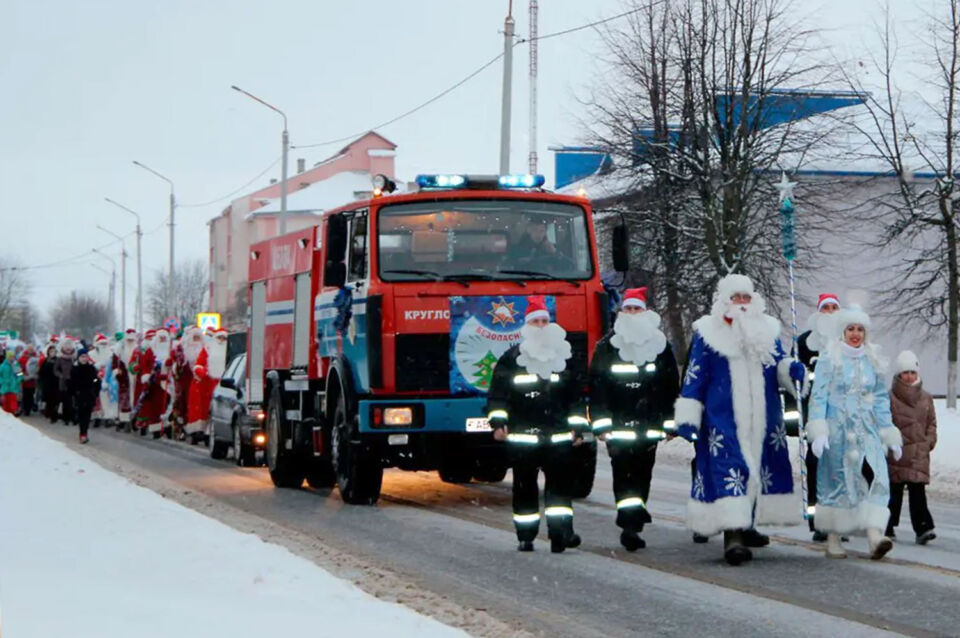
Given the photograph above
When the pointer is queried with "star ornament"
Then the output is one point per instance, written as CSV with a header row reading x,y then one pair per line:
x,y
785,187
502,312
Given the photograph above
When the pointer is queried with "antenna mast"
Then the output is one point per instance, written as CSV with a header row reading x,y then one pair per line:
x,y
534,10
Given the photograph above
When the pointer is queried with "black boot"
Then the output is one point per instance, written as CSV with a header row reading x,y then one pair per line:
x,y
631,540
525,546
700,538
734,551
819,537
753,538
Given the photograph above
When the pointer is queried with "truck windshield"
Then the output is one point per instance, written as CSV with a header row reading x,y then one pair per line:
x,y
483,240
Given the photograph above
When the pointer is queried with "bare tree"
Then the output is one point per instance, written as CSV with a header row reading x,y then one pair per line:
x,y
191,284
81,315
917,215
690,115
14,291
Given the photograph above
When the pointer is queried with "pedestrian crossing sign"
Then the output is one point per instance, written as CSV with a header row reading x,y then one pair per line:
x,y
208,320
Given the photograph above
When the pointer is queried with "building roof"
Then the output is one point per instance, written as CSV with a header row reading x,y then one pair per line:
x,y
323,195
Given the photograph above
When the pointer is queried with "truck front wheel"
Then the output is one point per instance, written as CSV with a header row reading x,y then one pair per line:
x,y
283,463
359,473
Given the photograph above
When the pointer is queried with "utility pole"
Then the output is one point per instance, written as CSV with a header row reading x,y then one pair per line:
x,y
171,285
285,143
534,10
139,265
508,29
112,297
123,277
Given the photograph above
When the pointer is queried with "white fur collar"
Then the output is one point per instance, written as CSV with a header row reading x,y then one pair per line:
x,y
719,335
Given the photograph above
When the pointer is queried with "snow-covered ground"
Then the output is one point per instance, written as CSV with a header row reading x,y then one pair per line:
x,y
84,552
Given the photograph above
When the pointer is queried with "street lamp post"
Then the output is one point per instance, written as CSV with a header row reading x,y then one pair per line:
x,y
285,141
123,277
171,287
112,298
113,279
139,265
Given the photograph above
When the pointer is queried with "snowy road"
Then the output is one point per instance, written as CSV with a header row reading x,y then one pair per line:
x,y
457,541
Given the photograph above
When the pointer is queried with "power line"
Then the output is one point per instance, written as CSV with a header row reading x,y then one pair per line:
x,y
555,34
235,191
68,260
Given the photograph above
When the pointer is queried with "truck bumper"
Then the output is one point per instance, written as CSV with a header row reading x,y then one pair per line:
x,y
450,415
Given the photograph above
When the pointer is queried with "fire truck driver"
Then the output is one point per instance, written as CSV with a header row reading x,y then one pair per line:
x,y
534,244
535,406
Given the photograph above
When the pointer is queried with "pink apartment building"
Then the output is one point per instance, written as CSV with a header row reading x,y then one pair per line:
x,y
334,181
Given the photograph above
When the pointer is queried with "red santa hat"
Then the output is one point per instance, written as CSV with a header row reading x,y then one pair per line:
x,y
635,298
100,338
220,332
536,308
149,334
54,338
825,298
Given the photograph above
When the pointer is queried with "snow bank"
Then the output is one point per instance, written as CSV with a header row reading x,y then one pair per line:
x,y
84,552
945,458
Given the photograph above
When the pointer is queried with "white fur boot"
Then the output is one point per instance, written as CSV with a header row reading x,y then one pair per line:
x,y
879,544
835,547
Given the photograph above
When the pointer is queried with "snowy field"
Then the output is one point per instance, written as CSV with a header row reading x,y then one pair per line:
x,y
85,553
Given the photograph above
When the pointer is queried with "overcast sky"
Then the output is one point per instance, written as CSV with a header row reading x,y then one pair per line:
x,y
90,86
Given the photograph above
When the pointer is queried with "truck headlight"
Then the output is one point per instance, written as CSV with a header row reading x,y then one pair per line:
x,y
398,416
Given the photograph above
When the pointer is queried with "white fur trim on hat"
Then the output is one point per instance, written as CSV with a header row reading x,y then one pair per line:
x,y
537,314
906,362
826,300
633,302
733,284
850,316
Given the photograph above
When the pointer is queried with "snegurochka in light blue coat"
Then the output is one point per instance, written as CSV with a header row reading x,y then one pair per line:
x,y
850,431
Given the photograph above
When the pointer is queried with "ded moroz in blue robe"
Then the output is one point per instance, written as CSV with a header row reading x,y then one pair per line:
x,y
731,400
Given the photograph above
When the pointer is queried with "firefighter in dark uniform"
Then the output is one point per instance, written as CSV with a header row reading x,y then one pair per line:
x,y
634,382
535,405
809,345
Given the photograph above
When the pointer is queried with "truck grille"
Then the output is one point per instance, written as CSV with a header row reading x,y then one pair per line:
x,y
423,360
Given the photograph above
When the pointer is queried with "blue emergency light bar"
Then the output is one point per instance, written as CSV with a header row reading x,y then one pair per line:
x,y
480,181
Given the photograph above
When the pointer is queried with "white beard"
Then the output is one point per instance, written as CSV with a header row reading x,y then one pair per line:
x,y
545,350
216,359
638,338
191,350
823,331
161,350
751,331
127,351
100,355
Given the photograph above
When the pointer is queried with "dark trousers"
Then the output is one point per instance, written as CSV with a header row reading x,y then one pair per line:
x,y
556,462
28,405
811,485
920,516
83,417
62,405
632,471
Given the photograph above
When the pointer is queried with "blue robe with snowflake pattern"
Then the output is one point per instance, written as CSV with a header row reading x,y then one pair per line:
x,y
731,401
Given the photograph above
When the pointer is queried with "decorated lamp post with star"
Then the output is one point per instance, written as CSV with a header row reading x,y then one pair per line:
x,y
788,236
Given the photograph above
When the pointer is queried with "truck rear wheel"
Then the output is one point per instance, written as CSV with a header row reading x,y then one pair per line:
x,y
359,474
490,472
283,463
584,470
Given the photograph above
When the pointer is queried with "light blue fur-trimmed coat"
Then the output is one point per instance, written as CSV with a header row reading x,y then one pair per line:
x,y
851,405
732,403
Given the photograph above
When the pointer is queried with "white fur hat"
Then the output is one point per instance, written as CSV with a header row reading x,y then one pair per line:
x,y
852,314
906,362
731,284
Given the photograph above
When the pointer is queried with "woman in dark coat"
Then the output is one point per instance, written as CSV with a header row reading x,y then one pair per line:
x,y
49,385
915,417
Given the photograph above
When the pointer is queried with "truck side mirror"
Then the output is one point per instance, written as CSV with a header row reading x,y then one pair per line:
x,y
335,274
621,248
336,238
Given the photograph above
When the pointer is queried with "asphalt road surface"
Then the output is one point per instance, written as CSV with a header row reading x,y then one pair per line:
x,y
458,541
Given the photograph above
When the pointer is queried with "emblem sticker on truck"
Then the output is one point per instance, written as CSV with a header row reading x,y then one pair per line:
x,y
479,424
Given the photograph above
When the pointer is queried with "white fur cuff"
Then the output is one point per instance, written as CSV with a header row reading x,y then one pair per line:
x,y
730,512
890,436
783,376
779,509
816,429
687,411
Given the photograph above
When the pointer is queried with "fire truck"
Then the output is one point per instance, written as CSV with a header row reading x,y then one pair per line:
x,y
373,335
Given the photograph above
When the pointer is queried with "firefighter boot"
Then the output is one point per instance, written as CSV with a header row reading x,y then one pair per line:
x,y
734,551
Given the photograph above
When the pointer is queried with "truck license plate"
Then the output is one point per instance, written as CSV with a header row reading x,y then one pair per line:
x,y
479,424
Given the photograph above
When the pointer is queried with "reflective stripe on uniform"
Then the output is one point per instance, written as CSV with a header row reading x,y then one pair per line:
x,y
526,519
656,434
498,414
605,422
562,437
577,420
624,368
622,435
524,379
554,378
669,424
811,510
522,438
650,367
632,501
557,510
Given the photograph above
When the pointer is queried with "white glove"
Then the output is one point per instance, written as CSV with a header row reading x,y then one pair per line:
x,y
820,444
896,452
144,378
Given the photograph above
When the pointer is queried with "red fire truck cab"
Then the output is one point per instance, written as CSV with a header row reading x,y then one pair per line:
x,y
373,336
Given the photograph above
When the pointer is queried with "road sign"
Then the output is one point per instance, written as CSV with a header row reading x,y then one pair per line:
x,y
172,324
208,320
